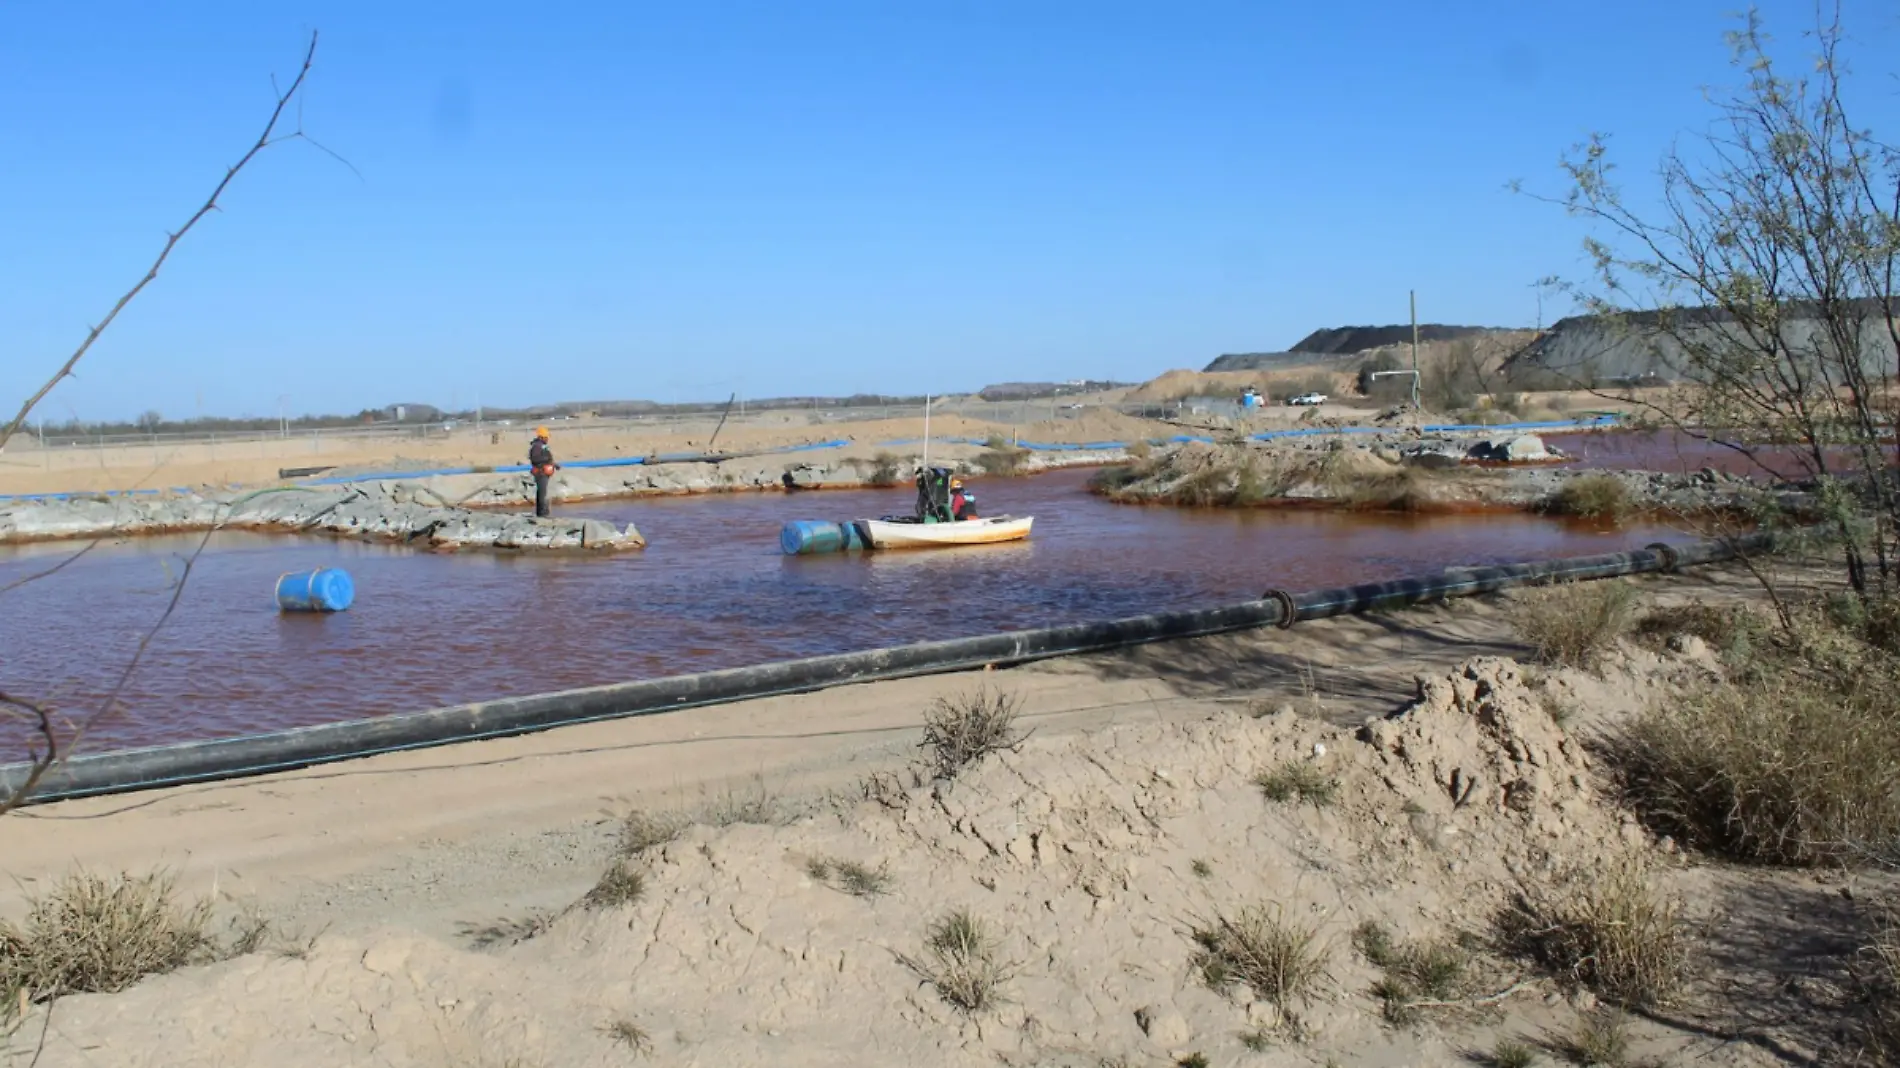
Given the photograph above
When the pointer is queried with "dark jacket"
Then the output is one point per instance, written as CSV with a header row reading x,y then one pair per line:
x,y
541,458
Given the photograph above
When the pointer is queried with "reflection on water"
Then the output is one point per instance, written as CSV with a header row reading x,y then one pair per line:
x,y
1679,453
711,591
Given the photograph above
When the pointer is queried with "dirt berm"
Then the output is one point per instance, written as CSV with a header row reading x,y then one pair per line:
x,y
1089,861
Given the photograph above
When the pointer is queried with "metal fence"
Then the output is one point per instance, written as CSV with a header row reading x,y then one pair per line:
x,y
1004,413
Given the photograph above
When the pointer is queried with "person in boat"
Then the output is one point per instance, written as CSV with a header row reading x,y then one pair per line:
x,y
962,501
541,463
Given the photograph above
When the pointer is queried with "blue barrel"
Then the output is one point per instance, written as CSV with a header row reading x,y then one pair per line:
x,y
805,536
326,589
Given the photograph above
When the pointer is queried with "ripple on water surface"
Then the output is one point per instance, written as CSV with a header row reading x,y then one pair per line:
x,y
711,591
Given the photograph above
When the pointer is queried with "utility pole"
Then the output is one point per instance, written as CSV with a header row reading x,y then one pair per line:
x,y
1413,295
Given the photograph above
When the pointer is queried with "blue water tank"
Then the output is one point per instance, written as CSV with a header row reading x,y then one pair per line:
x,y
326,589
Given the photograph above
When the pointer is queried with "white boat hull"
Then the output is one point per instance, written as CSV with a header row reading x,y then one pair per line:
x,y
937,535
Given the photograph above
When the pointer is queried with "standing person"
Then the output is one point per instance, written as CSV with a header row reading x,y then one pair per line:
x,y
541,462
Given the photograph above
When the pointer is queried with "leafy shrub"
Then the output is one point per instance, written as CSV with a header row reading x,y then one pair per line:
x,y
999,457
884,470
1601,497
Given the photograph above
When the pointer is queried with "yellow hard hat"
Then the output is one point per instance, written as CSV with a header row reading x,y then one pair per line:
x,y
956,483
540,432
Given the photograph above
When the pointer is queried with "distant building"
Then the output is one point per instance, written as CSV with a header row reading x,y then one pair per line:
x,y
412,413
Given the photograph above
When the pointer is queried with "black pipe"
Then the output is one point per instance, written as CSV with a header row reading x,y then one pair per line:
x,y
191,762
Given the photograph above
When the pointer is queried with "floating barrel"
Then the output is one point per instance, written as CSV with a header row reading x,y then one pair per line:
x,y
326,589
804,536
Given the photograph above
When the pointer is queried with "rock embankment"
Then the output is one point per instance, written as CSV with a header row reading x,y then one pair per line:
x,y
1434,475
377,511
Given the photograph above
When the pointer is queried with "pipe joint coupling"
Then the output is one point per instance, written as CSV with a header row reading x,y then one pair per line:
x,y
1289,612
1671,556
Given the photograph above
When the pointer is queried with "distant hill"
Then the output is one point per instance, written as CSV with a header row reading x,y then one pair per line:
x,y
1343,341
1262,361
1633,347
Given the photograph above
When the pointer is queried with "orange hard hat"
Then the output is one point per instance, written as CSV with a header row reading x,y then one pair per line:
x,y
956,483
540,432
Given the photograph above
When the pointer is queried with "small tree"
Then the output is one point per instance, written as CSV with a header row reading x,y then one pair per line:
x,y
150,421
1384,361
1764,284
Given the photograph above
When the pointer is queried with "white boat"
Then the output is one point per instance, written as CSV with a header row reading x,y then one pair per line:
x,y
889,534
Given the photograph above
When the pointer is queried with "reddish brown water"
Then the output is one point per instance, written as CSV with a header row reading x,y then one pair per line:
x,y
1679,453
712,591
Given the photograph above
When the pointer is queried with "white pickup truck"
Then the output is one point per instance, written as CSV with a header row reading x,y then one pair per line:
x,y
1306,399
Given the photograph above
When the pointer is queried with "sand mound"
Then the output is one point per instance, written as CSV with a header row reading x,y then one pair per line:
x,y
1174,385
1089,858
1481,742
1098,424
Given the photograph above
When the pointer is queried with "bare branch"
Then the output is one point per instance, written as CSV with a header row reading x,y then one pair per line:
x,y
39,713
39,762
54,570
264,140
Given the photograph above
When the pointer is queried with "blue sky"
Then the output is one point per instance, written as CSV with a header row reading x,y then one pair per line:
x,y
673,201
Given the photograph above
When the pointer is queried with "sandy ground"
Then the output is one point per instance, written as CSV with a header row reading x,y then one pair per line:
x,y
25,468
438,885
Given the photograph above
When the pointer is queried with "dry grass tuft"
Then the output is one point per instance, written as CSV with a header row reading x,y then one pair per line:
x,y
1510,1053
1609,931
1297,780
1415,971
961,963
756,807
1356,484
629,1035
93,934
641,831
621,885
1600,497
849,876
960,731
1876,973
1279,960
1575,623
1793,760
1599,1039
1731,630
